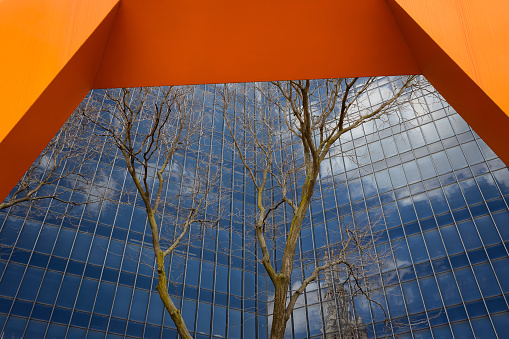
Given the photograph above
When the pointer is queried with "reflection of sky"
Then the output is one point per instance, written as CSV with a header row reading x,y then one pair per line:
x,y
389,146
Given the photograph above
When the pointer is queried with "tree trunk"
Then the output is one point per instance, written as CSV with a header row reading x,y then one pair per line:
x,y
279,318
162,288
279,314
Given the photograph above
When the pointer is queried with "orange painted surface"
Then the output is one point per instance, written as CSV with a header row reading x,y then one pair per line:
x,y
57,50
201,41
475,34
462,47
50,53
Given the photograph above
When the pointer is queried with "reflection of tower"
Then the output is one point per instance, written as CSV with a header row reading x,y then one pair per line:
x,y
337,304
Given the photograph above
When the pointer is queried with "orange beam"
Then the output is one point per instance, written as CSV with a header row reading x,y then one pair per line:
x,y
201,41
50,53
462,48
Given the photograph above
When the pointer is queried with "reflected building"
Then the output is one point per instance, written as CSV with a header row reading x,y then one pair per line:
x,y
340,320
439,194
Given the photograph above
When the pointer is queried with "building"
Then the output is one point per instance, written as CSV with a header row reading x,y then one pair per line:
x,y
443,195
339,319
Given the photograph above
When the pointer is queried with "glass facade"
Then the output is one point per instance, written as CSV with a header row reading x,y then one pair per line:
x,y
438,194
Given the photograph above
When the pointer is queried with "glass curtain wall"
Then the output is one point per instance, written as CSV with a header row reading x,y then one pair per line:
x,y
435,195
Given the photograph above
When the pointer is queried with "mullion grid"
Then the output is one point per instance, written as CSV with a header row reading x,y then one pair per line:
x,y
46,270
390,242
465,250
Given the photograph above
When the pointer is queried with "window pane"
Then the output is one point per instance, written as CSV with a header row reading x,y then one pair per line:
x,y
68,291
401,253
219,326
462,330
46,239
406,210
471,191
488,187
472,152
98,250
221,278
28,235
192,272
434,243
469,235
444,128
140,297
234,324
204,317
467,284
11,279
448,288
415,137
501,220
395,300
236,282
31,283
86,295
64,243
438,202
454,196
426,167
49,288
115,253
36,329
155,309
441,163
397,176
452,240
486,280
483,328
104,299
502,178
422,206
413,297
14,328
417,248
430,133
122,301
81,246
489,234
369,185
383,181
430,292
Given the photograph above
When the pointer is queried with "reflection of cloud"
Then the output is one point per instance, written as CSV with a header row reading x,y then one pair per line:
x,y
349,163
386,92
325,169
311,293
174,168
103,187
405,202
337,164
401,253
300,321
45,161
502,180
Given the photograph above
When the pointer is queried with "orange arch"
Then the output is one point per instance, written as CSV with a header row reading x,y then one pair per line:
x,y
56,51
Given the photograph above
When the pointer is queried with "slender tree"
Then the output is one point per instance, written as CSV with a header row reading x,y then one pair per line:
x,y
63,159
150,127
282,134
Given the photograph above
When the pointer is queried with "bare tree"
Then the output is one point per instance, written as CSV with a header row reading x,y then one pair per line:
x,y
282,135
63,159
150,126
